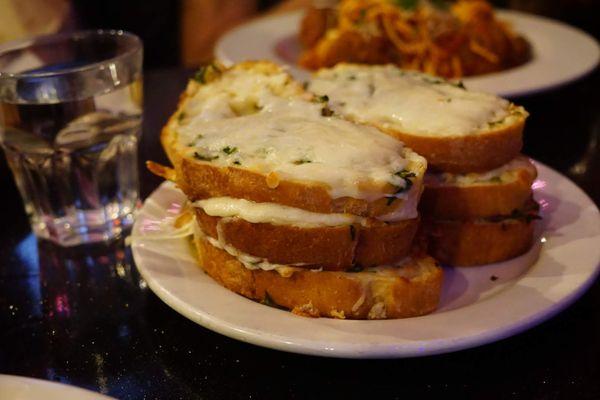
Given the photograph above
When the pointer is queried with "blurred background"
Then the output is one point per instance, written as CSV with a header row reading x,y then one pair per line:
x,y
183,32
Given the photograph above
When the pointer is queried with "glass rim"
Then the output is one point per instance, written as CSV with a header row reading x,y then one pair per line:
x,y
46,39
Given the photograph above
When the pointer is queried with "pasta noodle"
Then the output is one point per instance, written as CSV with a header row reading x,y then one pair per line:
x,y
450,39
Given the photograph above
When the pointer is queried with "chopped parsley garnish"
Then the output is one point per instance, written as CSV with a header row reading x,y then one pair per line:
x,y
237,162
493,278
433,81
494,123
440,4
326,112
305,85
199,76
495,179
362,15
205,72
352,77
301,161
406,4
405,175
229,150
181,116
371,88
193,143
203,157
439,81
268,301
390,200
352,232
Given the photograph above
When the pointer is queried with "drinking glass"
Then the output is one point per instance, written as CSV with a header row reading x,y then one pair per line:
x,y
70,119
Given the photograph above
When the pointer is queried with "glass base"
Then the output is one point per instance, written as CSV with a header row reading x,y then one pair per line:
x,y
83,228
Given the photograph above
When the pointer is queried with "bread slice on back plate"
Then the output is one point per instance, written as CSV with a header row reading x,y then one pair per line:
x,y
410,289
478,195
455,129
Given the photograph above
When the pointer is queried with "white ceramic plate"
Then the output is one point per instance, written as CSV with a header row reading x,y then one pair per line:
x,y
561,53
20,388
475,308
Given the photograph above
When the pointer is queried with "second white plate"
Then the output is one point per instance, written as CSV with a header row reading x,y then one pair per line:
x,y
14,387
561,53
479,305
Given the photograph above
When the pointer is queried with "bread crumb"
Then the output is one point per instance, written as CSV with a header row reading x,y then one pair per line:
x,y
306,310
338,314
377,311
285,272
272,180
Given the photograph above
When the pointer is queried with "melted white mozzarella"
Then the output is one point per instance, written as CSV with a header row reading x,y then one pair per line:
x,y
406,101
278,214
502,174
272,213
251,122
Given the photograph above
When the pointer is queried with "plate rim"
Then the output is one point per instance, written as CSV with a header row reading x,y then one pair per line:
x,y
555,83
436,346
54,386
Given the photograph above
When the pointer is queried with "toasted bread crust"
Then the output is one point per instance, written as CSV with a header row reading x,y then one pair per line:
x,y
468,153
333,248
352,295
198,180
477,200
470,243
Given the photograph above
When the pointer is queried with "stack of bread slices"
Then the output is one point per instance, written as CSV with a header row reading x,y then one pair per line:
x,y
477,207
294,206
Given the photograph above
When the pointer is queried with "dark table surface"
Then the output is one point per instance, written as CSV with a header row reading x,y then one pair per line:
x,y
87,318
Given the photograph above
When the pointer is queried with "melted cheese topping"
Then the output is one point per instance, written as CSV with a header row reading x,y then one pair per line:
x,y
409,102
278,214
263,124
272,213
503,174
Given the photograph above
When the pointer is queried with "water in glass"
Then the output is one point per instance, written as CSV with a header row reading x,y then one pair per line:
x,y
74,160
